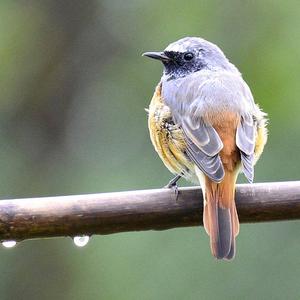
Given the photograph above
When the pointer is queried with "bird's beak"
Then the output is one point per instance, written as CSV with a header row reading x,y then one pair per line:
x,y
157,55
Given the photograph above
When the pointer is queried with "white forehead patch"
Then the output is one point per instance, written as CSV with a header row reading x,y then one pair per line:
x,y
183,44
176,47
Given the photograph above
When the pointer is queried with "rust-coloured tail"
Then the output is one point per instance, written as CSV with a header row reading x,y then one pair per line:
x,y
220,216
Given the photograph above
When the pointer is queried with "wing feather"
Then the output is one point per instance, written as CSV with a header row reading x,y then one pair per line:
x,y
245,141
204,136
203,146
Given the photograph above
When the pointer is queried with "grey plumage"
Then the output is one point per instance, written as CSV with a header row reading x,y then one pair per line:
x,y
245,140
193,97
203,146
210,165
224,232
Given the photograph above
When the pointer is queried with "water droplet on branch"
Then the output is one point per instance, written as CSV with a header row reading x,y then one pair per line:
x,y
9,244
81,241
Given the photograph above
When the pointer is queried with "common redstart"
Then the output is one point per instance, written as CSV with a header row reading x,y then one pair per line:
x,y
206,127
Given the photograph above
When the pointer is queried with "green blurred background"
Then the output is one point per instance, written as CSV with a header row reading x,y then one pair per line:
x,y
73,91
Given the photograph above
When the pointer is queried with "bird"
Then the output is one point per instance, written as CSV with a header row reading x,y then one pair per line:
x,y
206,128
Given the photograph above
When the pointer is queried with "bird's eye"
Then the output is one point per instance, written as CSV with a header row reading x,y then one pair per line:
x,y
188,56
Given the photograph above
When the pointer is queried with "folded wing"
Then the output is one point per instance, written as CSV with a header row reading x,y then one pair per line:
x,y
245,141
203,147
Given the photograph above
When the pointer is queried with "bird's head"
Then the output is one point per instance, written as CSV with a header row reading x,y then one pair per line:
x,y
189,55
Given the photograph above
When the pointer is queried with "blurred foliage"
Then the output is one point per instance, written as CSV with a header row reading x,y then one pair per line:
x,y
72,120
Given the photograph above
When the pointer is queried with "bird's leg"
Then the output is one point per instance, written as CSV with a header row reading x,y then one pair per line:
x,y
173,181
173,185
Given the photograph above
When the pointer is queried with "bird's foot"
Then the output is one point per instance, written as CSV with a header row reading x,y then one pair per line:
x,y
173,185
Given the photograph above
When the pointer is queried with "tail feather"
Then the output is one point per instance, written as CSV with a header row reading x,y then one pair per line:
x,y
235,231
220,217
231,253
225,232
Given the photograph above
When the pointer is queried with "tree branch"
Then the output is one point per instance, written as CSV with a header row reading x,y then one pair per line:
x,y
138,210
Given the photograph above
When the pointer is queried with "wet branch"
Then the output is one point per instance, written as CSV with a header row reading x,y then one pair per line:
x,y
108,213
